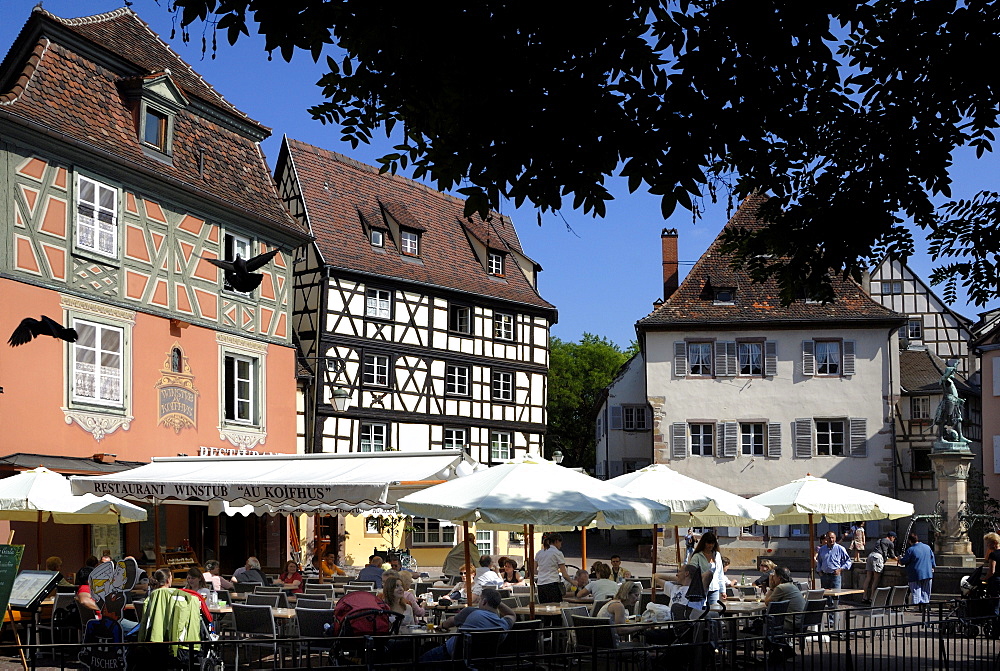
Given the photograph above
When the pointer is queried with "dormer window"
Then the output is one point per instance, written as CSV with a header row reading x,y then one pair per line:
x,y
155,101
724,296
377,237
154,130
494,264
410,243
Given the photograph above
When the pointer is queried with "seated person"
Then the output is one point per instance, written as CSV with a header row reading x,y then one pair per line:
x,y
250,573
329,566
212,576
372,572
291,578
54,563
485,578
395,564
593,570
194,581
602,588
580,581
508,571
766,568
618,574
490,614
784,589
84,573
677,590
416,604
459,590
620,607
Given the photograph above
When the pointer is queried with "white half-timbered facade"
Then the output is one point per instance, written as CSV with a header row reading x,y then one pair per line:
x,y
432,322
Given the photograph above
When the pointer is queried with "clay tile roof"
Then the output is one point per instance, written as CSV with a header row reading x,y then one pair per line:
x,y
694,302
340,191
56,87
920,372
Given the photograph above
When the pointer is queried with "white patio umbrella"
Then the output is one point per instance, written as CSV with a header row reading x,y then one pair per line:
x,y
40,495
691,502
532,494
810,499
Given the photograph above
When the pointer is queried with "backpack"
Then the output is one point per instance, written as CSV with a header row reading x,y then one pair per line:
x,y
364,614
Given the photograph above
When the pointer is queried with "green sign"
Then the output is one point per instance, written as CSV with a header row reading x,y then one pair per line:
x,y
10,560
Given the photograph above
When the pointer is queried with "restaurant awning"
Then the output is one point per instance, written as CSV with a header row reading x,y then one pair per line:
x,y
284,483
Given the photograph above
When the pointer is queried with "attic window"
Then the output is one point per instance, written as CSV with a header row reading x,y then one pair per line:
x,y
724,296
377,237
410,243
494,264
154,132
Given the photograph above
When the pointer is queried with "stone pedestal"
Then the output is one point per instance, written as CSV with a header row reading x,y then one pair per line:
x,y
951,467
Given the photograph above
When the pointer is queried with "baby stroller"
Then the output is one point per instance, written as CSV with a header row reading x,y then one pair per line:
x,y
973,613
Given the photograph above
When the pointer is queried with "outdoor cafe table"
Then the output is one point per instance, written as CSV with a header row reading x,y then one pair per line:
x,y
837,593
579,599
744,607
440,609
277,613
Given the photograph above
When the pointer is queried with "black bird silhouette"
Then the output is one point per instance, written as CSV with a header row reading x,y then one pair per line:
x,y
239,271
29,329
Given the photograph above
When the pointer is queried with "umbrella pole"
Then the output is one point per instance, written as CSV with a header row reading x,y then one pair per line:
x,y
156,533
468,563
530,528
812,553
677,546
583,548
652,576
38,541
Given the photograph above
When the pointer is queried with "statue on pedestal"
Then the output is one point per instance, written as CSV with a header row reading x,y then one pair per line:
x,y
949,413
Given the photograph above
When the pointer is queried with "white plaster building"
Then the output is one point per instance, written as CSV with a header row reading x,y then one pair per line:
x,y
624,422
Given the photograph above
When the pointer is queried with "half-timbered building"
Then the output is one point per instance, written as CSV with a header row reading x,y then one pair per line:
x,y
123,172
431,322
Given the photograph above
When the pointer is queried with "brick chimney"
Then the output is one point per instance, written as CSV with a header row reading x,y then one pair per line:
x,y
668,241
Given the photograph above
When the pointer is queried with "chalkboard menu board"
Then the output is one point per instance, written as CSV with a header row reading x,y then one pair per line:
x,y
30,587
10,559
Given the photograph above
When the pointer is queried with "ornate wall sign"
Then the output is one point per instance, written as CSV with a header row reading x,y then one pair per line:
x,y
177,397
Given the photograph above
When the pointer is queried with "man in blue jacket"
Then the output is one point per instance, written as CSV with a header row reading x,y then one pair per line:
x,y
831,560
919,563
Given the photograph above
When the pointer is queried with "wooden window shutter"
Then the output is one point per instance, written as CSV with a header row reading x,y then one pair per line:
x,y
599,428
649,417
803,438
732,364
808,358
770,358
721,367
616,417
859,437
678,440
680,359
731,440
848,357
773,439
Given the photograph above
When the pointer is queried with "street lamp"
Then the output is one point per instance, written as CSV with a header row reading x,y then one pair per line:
x,y
340,397
557,456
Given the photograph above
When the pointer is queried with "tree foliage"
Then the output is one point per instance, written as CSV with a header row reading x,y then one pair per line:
x,y
578,371
847,112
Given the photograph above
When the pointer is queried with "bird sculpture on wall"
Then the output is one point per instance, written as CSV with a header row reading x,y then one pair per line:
x,y
240,272
29,329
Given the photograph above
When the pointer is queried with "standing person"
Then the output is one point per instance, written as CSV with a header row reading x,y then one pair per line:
x,y
920,563
887,546
874,566
707,559
831,560
551,565
373,572
859,541
689,541
991,576
618,574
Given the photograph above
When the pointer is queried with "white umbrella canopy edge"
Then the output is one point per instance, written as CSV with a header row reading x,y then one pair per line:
x,y
41,494
822,499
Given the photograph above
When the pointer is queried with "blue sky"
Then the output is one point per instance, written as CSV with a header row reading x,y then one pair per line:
x,y
603,276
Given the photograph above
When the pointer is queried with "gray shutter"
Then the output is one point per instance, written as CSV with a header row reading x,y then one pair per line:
x,y
678,440
808,358
770,358
648,413
680,359
731,439
732,363
848,357
774,439
616,417
859,437
721,367
599,428
804,438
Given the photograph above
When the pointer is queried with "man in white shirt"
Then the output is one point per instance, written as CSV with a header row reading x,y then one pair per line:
x,y
485,577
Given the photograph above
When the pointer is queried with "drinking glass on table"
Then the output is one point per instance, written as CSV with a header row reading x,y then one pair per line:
x,y
758,593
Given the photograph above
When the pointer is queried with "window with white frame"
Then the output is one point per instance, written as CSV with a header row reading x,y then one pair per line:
x,y
915,329
96,217
484,542
503,385
432,532
750,356
97,363
456,380
378,303
460,318
371,524
376,370
377,237
920,407
830,440
500,445
891,287
752,439
494,263
503,326
699,356
373,437
455,439
236,245
634,418
240,387
827,357
410,242
702,439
